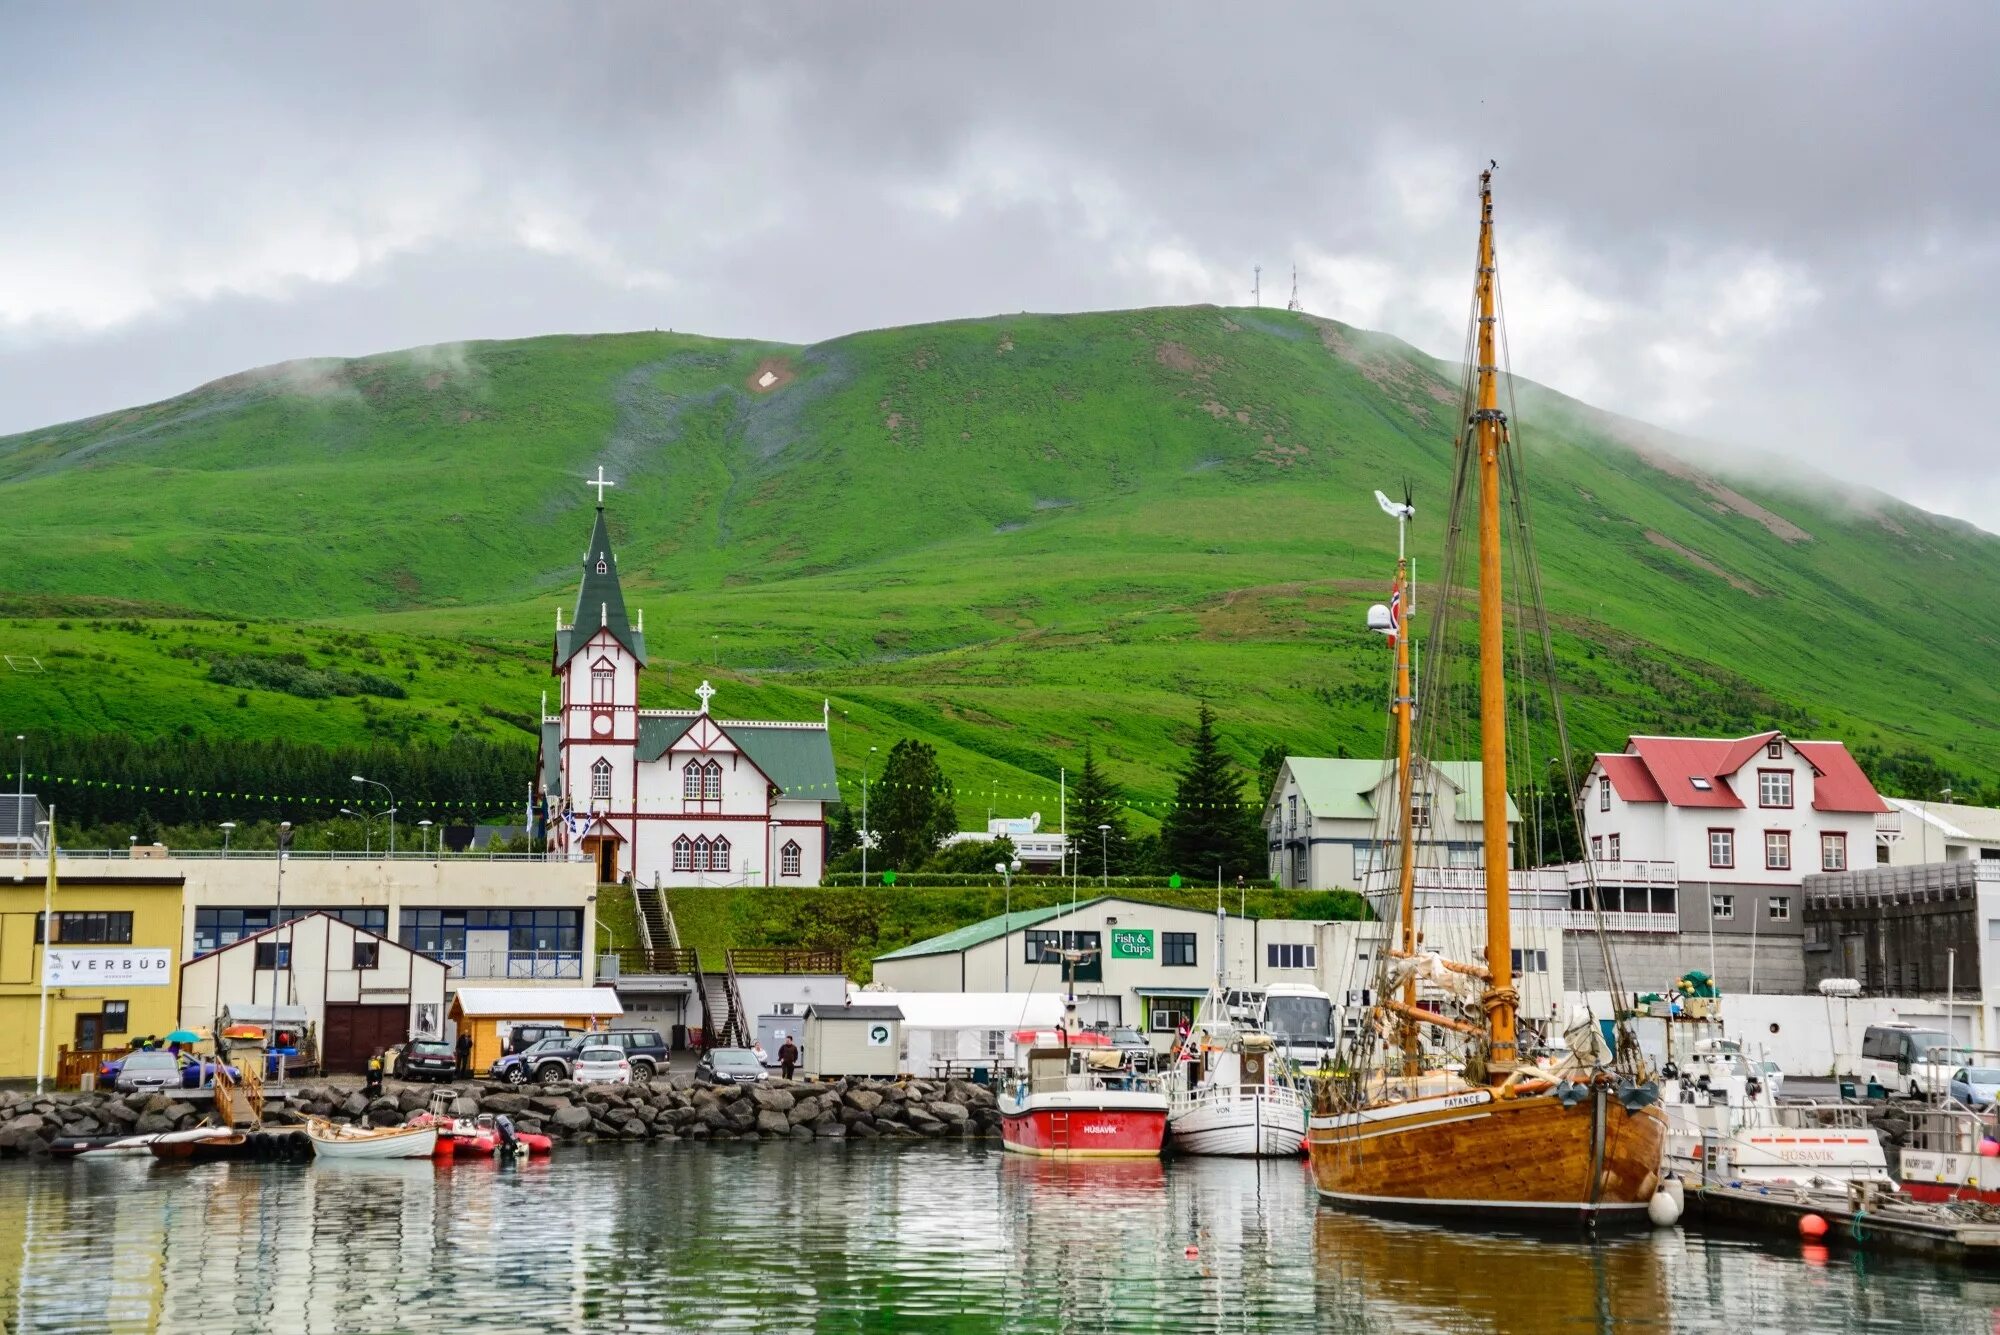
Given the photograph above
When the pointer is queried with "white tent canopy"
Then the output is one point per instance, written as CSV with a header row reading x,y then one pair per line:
x,y
965,1027
536,1003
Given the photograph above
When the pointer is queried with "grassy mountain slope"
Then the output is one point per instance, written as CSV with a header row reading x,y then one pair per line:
x,y
1007,535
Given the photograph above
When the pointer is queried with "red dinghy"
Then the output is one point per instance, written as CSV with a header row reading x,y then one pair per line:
x,y
1072,1100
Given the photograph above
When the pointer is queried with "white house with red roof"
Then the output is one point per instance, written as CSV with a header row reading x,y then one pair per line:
x,y
1742,821
675,797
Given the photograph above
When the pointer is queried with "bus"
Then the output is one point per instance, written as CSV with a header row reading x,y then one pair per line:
x,y
1300,1018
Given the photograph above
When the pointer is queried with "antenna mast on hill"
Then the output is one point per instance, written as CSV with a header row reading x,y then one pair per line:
x,y
1257,284
1293,304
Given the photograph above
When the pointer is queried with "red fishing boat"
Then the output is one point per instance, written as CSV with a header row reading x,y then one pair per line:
x,y
1073,1099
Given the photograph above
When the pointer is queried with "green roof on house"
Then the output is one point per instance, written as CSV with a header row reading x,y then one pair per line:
x,y
992,929
600,603
798,757
1337,788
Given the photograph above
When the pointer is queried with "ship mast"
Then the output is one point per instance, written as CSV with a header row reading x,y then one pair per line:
x,y
1405,793
1489,434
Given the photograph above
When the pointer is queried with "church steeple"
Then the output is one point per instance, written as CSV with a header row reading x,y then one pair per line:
x,y
600,603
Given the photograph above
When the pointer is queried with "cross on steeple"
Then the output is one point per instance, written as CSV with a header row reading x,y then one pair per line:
x,y
705,691
600,482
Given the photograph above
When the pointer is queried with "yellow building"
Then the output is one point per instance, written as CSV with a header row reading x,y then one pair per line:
x,y
114,961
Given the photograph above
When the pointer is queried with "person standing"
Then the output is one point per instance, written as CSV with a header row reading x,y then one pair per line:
x,y
373,1087
465,1054
788,1057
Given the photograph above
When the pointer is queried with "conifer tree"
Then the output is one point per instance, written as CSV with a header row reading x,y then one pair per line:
x,y
1211,824
1097,801
913,809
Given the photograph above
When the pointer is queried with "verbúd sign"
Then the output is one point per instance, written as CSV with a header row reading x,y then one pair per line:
x,y
64,967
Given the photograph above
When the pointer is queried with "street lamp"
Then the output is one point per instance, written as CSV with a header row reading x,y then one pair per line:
x,y
391,813
1104,852
228,827
425,827
367,820
864,816
1007,870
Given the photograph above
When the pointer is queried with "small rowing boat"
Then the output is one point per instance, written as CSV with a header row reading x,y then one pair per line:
x,y
380,1142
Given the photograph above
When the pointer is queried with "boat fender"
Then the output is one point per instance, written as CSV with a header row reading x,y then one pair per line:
x,y
1812,1226
1678,1190
1663,1209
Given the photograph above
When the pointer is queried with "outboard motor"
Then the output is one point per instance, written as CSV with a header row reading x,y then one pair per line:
x,y
510,1144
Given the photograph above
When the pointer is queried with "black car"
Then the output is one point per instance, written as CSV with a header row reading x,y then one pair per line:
x,y
525,1036
646,1049
426,1059
730,1066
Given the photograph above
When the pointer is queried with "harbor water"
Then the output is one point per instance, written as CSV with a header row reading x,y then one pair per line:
x,y
867,1237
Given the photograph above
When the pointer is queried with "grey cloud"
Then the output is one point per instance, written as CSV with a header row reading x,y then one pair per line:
x,y
1768,225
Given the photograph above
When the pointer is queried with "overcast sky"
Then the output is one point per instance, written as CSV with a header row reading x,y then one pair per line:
x,y
1771,225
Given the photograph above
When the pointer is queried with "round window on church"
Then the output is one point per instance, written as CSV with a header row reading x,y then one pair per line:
x,y
600,724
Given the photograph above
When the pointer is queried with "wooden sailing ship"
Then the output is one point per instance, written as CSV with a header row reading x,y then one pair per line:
x,y
1465,1127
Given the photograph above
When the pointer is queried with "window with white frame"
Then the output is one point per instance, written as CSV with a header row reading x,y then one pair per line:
x,y
1364,860
1833,852
1530,961
1462,855
1611,847
683,854
1420,811
1604,793
1722,848
711,781
718,854
600,780
1775,750
788,858
1779,907
1597,848
691,781
1777,850
603,683
1724,907
701,852
1774,787
1289,955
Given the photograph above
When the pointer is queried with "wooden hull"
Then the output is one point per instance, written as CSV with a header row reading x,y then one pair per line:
x,y
1469,1157
349,1144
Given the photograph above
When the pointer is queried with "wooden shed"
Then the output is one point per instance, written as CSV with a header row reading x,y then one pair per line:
x,y
853,1040
489,1014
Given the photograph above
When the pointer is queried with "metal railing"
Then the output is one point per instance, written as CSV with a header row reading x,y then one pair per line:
x,y
511,963
1583,920
296,855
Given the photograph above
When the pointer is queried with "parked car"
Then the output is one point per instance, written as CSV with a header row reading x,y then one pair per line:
x,y
196,1072
1976,1086
601,1064
646,1048
425,1059
1134,1051
149,1070
547,1062
729,1066
525,1036
1773,1077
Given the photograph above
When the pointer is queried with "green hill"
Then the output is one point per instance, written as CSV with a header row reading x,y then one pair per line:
x,y
1006,535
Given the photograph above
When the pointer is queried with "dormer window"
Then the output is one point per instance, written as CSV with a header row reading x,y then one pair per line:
x,y
691,781
1701,785
1775,751
711,781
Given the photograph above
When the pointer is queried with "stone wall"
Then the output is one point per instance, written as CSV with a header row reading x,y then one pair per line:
x,y
662,1111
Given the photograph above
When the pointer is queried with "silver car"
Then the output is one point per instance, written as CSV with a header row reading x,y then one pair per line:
x,y
149,1071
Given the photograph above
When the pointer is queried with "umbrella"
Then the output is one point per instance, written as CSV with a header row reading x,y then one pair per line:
x,y
184,1036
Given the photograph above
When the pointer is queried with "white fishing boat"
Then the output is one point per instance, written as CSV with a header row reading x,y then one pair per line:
x,y
1229,1092
342,1143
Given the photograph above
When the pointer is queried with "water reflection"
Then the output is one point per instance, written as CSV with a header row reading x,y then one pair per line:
x,y
920,1238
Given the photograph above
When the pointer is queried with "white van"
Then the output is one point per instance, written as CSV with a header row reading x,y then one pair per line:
x,y
1910,1059
1300,1018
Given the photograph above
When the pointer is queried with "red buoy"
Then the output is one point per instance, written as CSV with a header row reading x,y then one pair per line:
x,y
1812,1226
1192,1251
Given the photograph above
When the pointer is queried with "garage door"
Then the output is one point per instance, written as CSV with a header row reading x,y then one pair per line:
x,y
354,1033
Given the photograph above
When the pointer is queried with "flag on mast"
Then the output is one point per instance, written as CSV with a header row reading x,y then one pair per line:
x,y
1396,610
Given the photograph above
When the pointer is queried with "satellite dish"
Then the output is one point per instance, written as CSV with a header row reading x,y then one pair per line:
x,y
1378,619
1395,509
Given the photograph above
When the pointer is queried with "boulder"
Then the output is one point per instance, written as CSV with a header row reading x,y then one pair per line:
x,y
864,1130
805,1110
84,1126
829,1131
513,1105
862,1100
633,1128
950,1112
774,1121
413,1100
570,1118
712,1118
769,1099
355,1105
121,1113
390,1116
149,1124
802,1133
465,1107
385,1104
155,1103
548,1105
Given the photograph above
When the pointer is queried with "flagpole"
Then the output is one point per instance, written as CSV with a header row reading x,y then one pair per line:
x,y
48,935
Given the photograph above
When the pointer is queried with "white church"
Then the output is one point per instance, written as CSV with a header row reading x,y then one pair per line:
x,y
675,796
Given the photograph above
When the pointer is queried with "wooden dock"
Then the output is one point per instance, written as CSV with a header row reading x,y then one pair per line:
x,y
1867,1218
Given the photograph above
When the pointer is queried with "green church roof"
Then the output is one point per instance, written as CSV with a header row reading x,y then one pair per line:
x,y
600,603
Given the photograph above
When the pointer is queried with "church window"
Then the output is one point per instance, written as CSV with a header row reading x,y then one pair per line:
x,y
603,682
701,853
718,854
600,781
691,781
711,781
788,858
683,854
